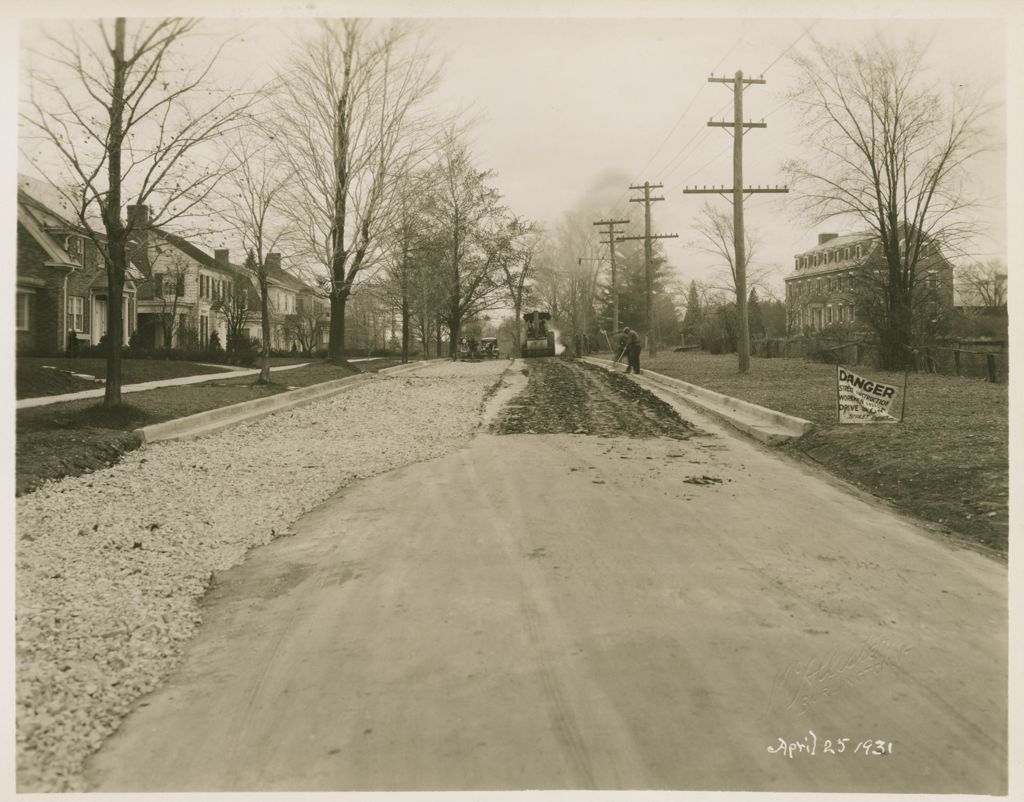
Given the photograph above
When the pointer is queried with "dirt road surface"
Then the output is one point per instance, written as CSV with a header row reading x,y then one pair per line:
x,y
555,611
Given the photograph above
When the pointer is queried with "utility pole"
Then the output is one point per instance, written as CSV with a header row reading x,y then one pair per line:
x,y
647,200
612,232
738,126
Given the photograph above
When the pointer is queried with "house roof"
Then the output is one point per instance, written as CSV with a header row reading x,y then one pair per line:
x,y
287,280
839,242
46,207
46,198
36,213
197,254
54,252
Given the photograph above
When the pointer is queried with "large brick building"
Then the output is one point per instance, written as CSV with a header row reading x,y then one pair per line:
x,y
828,284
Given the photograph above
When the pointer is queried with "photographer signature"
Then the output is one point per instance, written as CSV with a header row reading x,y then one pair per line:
x,y
803,683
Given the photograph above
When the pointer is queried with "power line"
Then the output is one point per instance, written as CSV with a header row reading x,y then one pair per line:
x,y
693,99
701,133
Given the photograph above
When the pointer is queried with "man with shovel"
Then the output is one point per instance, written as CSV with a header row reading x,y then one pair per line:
x,y
631,349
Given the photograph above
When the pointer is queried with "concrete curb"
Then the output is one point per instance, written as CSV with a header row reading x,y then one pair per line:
x,y
214,420
767,425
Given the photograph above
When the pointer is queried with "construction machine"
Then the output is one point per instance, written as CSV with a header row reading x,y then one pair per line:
x,y
538,339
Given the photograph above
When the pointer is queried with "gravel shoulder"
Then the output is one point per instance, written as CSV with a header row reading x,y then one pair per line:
x,y
112,566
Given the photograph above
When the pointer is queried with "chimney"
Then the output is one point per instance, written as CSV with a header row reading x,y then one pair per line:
x,y
273,261
823,238
138,217
220,257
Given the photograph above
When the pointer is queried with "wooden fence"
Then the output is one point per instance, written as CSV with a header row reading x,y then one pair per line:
x,y
984,359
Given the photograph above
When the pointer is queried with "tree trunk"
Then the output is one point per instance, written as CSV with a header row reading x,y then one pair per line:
x,y
405,327
115,293
265,350
517,346
454,328
336,346
117,258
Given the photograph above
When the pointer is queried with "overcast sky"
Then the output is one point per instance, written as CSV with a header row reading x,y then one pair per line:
x,y
573,110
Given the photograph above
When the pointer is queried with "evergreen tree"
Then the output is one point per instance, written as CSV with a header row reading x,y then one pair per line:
x,y
754,315
694,312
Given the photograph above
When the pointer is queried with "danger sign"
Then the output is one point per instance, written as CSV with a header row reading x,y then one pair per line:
x,y
861,400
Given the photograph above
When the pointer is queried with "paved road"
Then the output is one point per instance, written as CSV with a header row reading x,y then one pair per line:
x,y
566,611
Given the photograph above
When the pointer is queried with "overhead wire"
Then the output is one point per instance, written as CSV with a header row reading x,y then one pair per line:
x,y
703,133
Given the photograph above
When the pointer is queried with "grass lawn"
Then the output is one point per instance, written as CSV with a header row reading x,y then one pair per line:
x,y
313,371
947,463
33,379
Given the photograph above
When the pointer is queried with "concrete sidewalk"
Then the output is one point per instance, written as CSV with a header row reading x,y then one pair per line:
x,y
46,400
767,425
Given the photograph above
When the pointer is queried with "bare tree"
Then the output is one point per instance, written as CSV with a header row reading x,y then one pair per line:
x,y
467,224
984,284
406,245
252,208
517,266
168,289
351,122
305,327
890,154
233,306
127,116
715,230
579,260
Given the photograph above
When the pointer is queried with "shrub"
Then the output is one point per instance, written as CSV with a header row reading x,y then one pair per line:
x,y
213,346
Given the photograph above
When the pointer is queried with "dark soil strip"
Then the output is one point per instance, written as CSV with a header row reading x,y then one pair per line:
x,y
563,396
52,454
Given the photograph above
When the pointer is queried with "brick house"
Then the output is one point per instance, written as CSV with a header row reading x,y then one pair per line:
x,y
823,289
61,276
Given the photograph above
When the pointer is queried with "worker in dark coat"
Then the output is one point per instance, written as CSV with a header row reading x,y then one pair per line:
x,y
632,349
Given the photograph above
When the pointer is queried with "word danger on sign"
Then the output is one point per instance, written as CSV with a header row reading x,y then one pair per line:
x,y
862,400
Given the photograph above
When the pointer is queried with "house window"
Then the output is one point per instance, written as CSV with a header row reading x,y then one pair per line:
x,y
21,311
73,245
204,330
76,313
179,285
